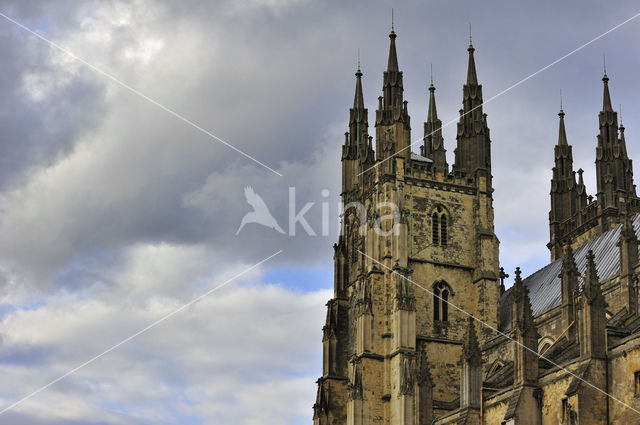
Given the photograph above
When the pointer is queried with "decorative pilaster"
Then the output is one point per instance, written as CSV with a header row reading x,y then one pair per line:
x,y
404,314
592,314
525,335
364,317
355,390
471,376
406,395
569,286
628,244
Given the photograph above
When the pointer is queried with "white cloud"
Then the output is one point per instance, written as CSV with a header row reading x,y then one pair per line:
x,y
216,359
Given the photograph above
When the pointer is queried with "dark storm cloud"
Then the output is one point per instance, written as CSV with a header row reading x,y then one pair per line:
x,y
275,81
35,132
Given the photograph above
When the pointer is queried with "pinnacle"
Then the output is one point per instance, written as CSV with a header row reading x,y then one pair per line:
x,y
606,101
392,64
562,134
472,76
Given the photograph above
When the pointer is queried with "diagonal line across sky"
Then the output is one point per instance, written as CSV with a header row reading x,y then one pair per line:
x,y
485,324
138,333
136,92
525,79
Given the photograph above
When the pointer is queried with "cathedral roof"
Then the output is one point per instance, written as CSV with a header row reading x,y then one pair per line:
x,y
420,158
545,286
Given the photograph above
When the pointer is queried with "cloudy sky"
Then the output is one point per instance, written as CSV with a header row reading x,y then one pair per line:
x,y
115,213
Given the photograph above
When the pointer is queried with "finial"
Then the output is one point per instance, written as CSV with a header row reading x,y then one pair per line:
x,y
518,272
470,38
392,29
358,59
431,73
604,63
560,97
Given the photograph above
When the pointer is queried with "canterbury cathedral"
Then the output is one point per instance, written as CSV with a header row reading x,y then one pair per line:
x,y
421,330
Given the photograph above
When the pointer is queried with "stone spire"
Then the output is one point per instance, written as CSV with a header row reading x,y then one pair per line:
x,y
473,151
562,133
472,75
358,99
392,63
433,147
606,97
564,194
432,114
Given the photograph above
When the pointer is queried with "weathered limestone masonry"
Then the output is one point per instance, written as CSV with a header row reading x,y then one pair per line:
x,y
418,254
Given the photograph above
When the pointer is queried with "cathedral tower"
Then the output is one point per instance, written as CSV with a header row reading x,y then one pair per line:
x,y
416,241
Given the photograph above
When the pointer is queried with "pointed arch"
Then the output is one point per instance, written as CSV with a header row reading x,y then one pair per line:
x,y
544,344
440,226
495,367
441,293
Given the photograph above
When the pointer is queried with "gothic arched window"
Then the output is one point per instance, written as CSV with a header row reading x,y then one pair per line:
x,y
439,227
441,293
